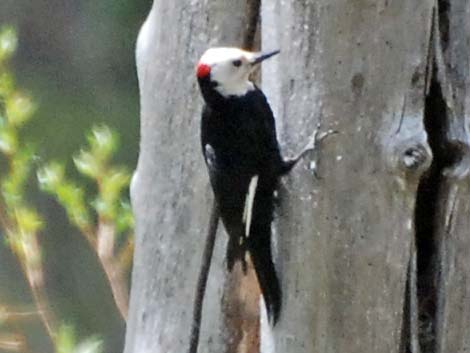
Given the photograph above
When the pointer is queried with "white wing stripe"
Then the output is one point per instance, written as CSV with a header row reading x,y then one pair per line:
x,y
249,201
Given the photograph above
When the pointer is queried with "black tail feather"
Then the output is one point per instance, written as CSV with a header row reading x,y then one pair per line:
x,y
268,282
233,253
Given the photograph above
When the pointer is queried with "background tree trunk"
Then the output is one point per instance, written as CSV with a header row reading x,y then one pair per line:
x,y
170,192
345,240
385,74
373,254
452,209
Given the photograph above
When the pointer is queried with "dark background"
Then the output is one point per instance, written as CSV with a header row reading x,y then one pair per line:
x,y
76,58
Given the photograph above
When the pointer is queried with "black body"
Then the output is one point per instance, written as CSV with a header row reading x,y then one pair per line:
x,y
238,137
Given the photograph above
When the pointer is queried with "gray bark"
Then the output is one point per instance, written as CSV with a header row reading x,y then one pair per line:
x,y
345,240
372,255
453,208
170,193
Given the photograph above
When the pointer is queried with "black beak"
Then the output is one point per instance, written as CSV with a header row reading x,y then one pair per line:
x,y
263,56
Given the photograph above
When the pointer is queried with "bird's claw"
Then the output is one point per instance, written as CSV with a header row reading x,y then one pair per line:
x,y
315,139
323,135
318,136
311,146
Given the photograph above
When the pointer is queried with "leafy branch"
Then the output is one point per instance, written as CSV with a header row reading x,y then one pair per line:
x,y
111,235
20,222
106,223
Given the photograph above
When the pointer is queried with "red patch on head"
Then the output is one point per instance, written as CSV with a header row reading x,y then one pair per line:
x,y
202,70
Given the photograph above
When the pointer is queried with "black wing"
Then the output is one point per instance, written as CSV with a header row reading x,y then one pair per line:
x,y
266,131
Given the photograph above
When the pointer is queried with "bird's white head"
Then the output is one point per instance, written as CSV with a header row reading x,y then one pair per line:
x,y
228,69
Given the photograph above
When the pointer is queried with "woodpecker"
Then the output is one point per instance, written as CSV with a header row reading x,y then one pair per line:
x,y
244,162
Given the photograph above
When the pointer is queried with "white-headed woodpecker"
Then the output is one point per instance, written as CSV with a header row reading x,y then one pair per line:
x,y
242,154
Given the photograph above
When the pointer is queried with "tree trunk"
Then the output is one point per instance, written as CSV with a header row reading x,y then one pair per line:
x,y
452,209
372,254
345,240
170,190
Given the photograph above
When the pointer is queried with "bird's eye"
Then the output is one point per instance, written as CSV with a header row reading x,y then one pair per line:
x,y
237,63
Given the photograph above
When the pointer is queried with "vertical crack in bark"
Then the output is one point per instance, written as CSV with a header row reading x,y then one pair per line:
x,y
405,324
251,35
436,124
443,9
409,341
425,214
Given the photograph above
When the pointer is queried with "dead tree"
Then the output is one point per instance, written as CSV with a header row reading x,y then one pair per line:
x,y
170,190
372,254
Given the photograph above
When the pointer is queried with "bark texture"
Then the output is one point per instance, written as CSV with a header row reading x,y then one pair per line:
x,y
372,255
170,192
452,221
345,241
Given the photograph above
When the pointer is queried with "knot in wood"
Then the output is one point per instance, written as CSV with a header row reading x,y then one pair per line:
x,y
457,159
416,158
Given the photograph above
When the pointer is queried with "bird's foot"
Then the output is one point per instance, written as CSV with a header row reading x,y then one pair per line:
x,y
312,146
314,141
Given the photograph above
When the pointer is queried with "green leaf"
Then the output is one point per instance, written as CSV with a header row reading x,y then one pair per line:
x,y
90,345
7,84
51,176
88,164
65,341
125,217
72,198
103,142
13,185
20,108
116,180
112,184
8,141
28,220
8,42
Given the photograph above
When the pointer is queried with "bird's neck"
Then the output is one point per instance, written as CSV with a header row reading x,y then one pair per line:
x,y
218,96
235,89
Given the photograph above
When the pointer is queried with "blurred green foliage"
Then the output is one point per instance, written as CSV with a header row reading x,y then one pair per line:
x,y
109,230
70,196
8,43
21,224
93,162
19,220
76,58
67,342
